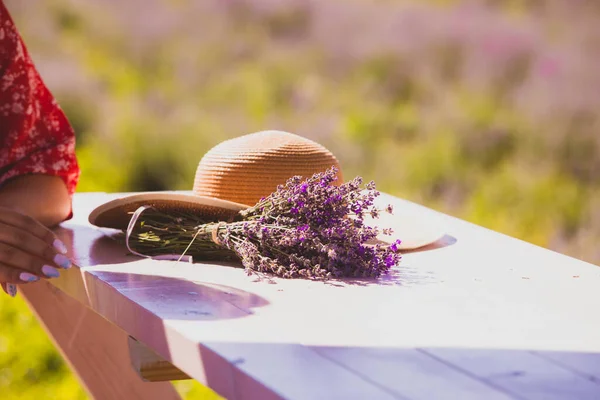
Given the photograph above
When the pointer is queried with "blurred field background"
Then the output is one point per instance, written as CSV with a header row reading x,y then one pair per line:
x,y
486,110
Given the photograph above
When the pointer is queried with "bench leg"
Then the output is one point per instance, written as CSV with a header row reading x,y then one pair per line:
x,y
96,350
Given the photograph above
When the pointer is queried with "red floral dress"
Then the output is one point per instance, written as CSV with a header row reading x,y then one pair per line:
x,y
35,136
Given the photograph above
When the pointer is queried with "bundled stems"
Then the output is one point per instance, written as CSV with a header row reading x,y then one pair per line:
x,y
311,229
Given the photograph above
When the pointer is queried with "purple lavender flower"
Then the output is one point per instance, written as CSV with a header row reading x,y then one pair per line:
x,y
324,232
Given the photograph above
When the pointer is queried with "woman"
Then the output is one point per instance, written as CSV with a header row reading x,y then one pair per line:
x,y
38,167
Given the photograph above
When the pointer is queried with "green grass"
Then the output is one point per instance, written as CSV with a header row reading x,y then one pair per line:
x,y
30,367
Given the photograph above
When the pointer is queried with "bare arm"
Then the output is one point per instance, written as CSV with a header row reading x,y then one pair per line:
x,y
29,205
42,197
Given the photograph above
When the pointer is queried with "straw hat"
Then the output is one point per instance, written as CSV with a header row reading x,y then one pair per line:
x,y
232,176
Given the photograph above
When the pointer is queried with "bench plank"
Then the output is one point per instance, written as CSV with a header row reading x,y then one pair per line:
x,y
306,375
521,373
588,365
413,374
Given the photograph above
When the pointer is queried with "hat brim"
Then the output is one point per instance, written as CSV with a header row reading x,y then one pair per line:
x,y
116,213
412,232
408,222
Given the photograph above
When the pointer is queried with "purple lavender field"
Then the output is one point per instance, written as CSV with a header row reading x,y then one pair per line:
x,y
486,110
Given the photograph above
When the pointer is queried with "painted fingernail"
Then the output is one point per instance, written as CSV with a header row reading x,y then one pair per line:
x,y
50,271
11,289
60,246
62,261
27,277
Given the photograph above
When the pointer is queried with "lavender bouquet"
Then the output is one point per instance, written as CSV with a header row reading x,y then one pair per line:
x,y
310,229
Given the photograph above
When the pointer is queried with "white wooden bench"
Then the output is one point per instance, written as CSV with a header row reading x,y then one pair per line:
x,y
477,315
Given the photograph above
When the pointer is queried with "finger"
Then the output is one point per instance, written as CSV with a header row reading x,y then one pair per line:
x,y
23,240
28,224
10,275
17,259
10,289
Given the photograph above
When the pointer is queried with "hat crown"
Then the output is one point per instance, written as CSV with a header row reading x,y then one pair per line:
x,y
249,167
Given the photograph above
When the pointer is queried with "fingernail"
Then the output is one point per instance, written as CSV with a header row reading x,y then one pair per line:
x,y
50,271
11,289
60,246
27,277
62,261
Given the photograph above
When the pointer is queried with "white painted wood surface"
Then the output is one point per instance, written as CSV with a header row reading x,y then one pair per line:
x,y
474,290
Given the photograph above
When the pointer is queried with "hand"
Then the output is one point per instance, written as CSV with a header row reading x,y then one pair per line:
x,y
28,251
